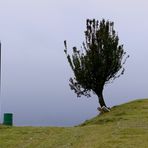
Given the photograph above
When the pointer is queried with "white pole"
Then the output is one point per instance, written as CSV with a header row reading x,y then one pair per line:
x,y
0,84
0,68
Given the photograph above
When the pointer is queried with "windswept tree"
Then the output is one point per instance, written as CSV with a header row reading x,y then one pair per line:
x,y
99,61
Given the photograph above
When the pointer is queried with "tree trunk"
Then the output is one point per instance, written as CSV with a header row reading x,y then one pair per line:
x,y
101,100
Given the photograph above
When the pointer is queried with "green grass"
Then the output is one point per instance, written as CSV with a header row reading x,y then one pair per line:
x,y
126,126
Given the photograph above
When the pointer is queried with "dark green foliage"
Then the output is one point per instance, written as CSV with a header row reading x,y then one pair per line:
x,y
99,60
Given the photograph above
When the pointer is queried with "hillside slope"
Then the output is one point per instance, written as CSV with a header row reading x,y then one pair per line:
x,y
126,126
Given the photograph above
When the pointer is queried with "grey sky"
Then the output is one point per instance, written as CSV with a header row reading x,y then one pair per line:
x,y
35,71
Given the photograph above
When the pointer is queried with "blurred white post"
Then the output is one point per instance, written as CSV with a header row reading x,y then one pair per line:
x,y
0,68
0,85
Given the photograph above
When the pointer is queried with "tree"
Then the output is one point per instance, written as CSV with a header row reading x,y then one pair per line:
x,y
100,60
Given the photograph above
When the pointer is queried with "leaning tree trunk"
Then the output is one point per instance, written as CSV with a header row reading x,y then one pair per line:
x,y
101,100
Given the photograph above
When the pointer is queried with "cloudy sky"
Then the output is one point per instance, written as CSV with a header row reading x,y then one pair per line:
x,y
35,71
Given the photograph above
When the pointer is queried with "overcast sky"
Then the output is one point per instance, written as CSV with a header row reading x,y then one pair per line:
x,y
35,71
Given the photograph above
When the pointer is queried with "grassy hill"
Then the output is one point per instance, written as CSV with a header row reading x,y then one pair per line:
x,y
126,126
